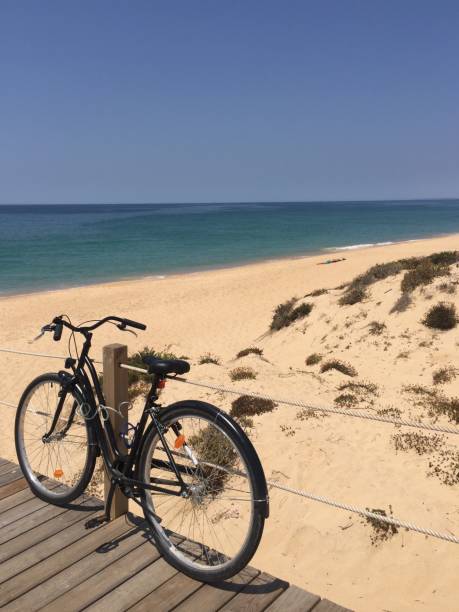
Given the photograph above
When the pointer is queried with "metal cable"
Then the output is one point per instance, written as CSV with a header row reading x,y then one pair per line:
x,y
5,350
318,498
353,413
372,515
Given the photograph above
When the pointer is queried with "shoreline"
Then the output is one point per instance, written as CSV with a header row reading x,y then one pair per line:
x,y
324,252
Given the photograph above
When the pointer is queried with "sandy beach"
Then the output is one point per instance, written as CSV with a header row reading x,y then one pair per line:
x,y
353,461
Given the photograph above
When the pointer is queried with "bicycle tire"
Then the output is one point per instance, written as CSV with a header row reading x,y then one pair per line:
x,y
39,482
254,475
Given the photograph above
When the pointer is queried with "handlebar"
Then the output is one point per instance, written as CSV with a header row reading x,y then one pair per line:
x,y
59,323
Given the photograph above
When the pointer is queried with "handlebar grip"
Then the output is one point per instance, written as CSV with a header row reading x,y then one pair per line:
x,y
134,324
58,331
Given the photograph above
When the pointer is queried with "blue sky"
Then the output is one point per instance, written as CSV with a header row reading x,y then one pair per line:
x,y
150,101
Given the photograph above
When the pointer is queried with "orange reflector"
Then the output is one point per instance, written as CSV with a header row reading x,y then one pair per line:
x,y
58,473
179,441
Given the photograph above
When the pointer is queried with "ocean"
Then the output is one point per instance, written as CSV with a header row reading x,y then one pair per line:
x,y
53,246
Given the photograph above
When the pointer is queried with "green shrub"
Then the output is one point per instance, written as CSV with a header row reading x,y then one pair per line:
x,y
381,531
445,466
447,288
316,293
313,359
285,314
381,271
353,296
444,375
359,387
208,358
422,275
441,316
423,444
242,373
444,258
346,400
246,405
437,404
281,317
376,328
212,446
252,350
341,366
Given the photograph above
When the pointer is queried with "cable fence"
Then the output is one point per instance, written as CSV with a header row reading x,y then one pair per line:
x,y
388,520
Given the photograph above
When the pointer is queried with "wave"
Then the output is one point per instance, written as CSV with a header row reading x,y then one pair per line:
x,y
352,247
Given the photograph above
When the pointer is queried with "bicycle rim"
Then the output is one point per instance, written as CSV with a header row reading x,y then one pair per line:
x,y
64,458
212,527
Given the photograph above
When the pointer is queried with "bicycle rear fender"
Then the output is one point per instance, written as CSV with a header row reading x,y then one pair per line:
x,y
261,489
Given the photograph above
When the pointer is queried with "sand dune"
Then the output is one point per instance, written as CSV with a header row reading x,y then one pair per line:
x,y
322,549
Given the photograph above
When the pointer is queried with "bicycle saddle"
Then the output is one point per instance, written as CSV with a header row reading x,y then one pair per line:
x,y
166,366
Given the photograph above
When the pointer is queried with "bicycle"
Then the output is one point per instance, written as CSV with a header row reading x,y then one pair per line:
x,y
190,466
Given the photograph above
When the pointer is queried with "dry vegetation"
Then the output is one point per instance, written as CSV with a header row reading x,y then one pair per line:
x,y
242,373
285,314
340,366
442,316
248,406
313,359
209,358
252,350
380,531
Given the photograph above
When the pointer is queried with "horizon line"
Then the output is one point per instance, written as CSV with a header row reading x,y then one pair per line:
x,y
223,202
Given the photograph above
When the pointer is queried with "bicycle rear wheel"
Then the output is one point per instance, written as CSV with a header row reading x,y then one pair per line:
x,y
212,530
59,468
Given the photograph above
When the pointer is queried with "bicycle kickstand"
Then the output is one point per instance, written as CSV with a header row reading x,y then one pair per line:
x,y
105,517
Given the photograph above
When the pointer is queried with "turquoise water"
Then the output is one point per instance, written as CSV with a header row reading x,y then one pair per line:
x,y
45,247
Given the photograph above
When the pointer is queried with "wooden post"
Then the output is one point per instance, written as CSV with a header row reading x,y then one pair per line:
x,y
115,384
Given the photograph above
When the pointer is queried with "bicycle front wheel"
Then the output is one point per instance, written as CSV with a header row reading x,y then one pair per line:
x,y
57,467
211,529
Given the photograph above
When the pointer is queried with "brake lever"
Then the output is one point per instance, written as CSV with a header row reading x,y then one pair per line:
x,y
44,329
125,329
42,333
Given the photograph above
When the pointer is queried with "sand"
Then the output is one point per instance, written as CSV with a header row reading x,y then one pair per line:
x,y
322,549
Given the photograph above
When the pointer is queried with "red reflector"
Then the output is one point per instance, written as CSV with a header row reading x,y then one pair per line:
x,y
161,384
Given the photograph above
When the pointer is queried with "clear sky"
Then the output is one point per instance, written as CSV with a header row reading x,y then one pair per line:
x,y
235,100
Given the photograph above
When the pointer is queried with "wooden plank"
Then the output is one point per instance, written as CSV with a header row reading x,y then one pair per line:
x,y
40,543
2,461
135,589
294,599
23,541
75,574
21,584
257,595
14,474
106,580
13,514
13,487
26,523
168,595
211,597
7,467
17,499
328,606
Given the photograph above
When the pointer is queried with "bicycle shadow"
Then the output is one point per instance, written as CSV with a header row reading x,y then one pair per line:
x,y
250,580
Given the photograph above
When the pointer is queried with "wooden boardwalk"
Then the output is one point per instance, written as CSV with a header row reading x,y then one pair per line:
x,y
51,560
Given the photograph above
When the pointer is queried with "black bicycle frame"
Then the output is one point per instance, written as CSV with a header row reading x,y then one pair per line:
x,y
122,465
